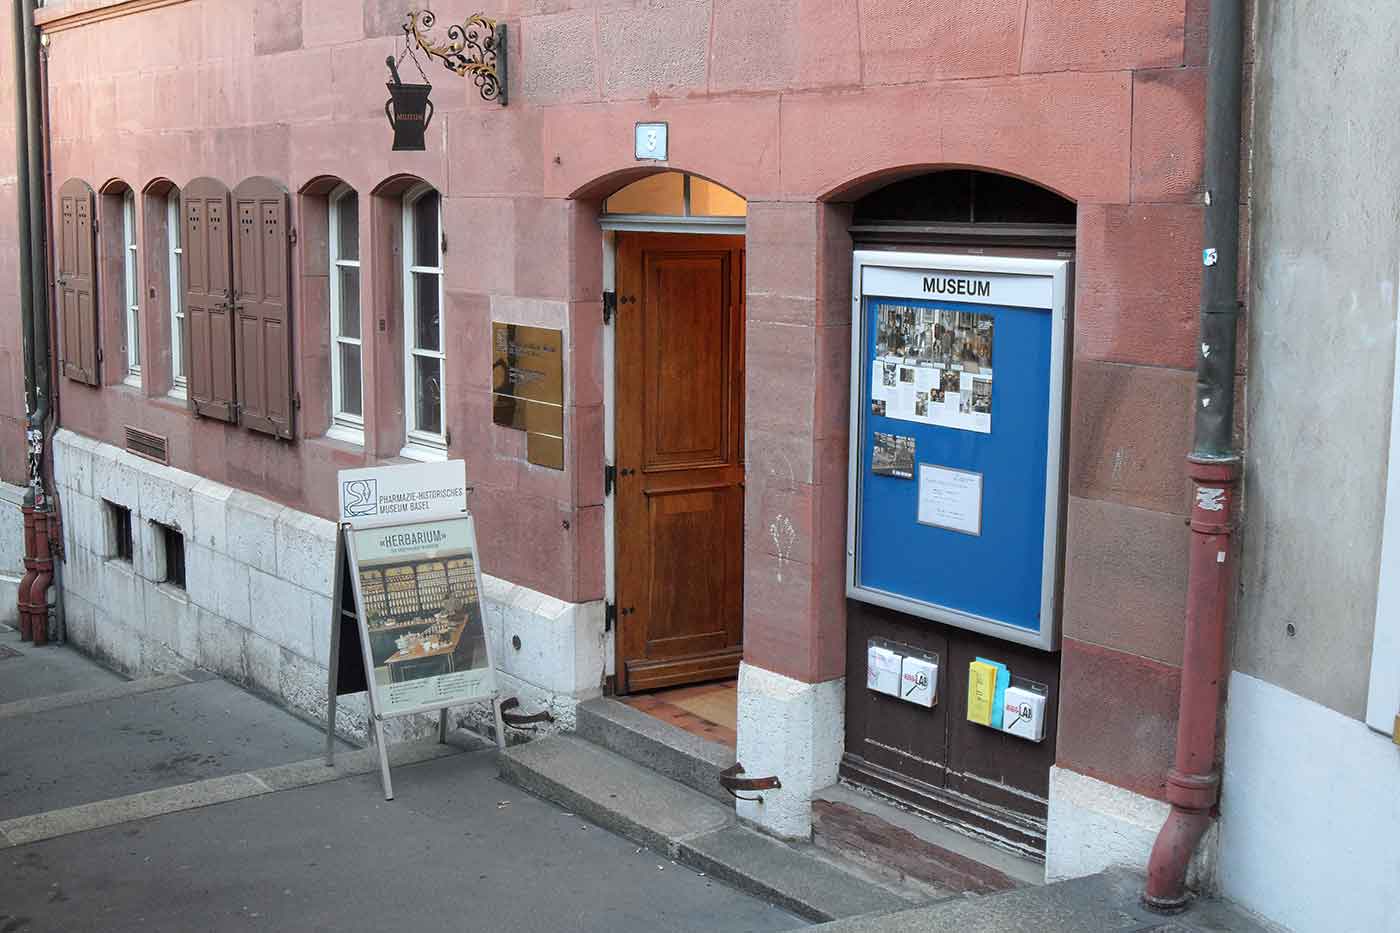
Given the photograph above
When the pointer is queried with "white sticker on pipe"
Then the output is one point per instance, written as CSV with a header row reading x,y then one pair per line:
x,y
1210,498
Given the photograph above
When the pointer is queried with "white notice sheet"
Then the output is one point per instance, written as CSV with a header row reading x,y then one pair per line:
x,y
950,498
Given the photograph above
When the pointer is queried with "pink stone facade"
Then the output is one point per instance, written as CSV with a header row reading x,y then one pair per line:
x,y
800,106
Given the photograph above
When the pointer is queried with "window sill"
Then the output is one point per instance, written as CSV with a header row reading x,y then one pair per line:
x,y
179,394
173,590
132,380
347,435
423,453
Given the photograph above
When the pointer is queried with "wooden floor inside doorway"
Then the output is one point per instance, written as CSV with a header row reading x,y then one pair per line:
x,y
710,711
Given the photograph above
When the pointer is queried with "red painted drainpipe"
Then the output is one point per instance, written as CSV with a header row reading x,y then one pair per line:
x,y
39,589
31,571
1193,783
1214,467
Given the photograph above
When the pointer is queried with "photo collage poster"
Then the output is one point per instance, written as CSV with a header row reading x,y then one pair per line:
x,y
933,366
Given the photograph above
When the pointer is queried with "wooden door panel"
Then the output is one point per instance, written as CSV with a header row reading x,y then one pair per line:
x,y
689,601
680,493
686,414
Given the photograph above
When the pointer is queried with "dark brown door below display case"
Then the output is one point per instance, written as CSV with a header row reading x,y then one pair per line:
x,y
934,760
680,450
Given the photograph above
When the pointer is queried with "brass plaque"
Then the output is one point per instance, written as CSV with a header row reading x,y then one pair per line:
x,y
545,450
527,384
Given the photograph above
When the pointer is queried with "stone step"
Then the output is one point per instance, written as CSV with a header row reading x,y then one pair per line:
x,y
1109,902
660,746
626,797
793,876
902,846
613,792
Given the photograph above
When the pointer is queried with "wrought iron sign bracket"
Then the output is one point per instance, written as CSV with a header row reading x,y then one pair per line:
x,y
475,48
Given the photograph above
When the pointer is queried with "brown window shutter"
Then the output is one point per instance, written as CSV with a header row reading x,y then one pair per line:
x,y
204,206
77,301
262,280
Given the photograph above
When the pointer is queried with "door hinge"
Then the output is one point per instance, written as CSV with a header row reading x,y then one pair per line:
x,y
609,616
292,236
296,401
444,242
609,479
99,354
94,225
609,306
1395,734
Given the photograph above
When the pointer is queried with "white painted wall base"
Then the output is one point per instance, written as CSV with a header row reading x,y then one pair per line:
x,y
1094,825
796,731
11,551
1310,813
257,602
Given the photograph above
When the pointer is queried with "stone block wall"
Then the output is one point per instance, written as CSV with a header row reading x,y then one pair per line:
x,y
256,604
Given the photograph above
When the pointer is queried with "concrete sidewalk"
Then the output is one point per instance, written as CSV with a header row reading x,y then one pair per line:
x,y
181,802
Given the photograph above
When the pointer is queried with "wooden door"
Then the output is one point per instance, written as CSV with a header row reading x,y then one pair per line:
x,y
680,459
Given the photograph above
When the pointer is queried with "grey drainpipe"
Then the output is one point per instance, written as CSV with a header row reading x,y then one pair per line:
x,y
37,256
26,284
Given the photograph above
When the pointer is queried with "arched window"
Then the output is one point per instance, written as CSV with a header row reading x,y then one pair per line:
x,y
175,241
347,394
675,194
424,360
130,293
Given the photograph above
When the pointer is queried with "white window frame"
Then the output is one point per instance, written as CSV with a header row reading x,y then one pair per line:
x,y
174,236
1383,695
132,295
418,444
345,426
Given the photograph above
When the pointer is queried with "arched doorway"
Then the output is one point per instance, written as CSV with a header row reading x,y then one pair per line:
x,y
935,760
674,268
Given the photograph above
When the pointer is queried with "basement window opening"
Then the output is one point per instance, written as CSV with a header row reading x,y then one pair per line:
x,y
173,544
119,520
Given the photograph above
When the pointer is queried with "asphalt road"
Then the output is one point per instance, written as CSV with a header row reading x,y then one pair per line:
x,y
456,850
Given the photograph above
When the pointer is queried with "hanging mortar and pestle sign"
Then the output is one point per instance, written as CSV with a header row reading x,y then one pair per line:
x,y
409,111
476,48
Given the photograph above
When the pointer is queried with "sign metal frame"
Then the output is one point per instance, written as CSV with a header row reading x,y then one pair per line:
x,y
1012,282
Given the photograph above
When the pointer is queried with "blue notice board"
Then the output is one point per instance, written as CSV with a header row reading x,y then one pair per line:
x,y
957,453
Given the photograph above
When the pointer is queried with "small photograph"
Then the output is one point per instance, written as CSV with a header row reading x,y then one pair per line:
x,y
982,396
896,331
890,375
945,331
982,342
937,393
877,407
921,405
906,374
893,455
952,380
965,402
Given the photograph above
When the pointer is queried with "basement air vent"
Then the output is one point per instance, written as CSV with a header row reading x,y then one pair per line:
x,y
148,445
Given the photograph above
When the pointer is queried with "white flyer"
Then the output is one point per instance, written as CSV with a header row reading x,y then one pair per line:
x,y
950,498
